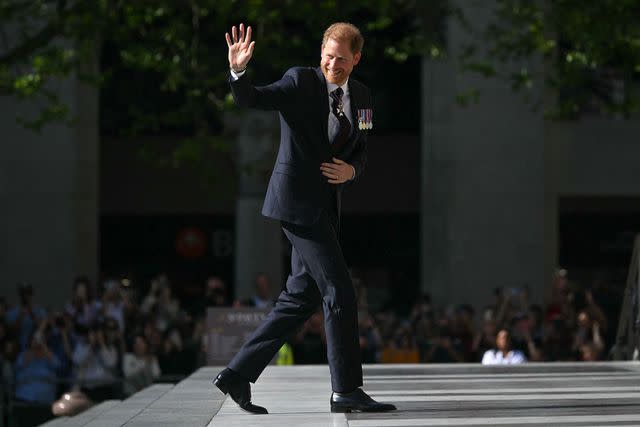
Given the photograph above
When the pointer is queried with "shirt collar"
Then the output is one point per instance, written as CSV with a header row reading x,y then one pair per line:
x,y
345,87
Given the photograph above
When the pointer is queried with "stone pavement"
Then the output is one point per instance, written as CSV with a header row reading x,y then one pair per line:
x,y
543,394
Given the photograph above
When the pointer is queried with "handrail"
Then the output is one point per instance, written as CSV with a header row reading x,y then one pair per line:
x,y
627,345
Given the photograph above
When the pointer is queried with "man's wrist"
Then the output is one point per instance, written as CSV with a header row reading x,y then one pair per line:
x,y
354,173
235,75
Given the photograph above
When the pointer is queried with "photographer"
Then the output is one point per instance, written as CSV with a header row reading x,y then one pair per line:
x,y
95,362
81,308
36,369
24,318
61,342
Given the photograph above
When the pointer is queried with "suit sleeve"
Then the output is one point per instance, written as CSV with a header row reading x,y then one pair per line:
x,y
275,96
358,158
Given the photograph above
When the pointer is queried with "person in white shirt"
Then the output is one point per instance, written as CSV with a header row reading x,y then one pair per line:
x,y
140,368
95,362
503,354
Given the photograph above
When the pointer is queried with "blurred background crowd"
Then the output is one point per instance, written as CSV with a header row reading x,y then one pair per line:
x,y
112,341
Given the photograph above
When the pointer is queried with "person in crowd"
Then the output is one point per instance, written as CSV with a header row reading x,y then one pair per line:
x,y
262,297
485,338
522,337
140,367
151,299
173,359
81,307
197,344
114,339
402,348
594,310
168,311
557,341
153,335
26,316
215,295
95,363
36,370
587,332
536,317
562,297
504,353
370,338
463,328
589,353
112,304
310,343
61,341
444,348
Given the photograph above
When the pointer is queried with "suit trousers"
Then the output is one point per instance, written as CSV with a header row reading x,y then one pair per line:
x,y
319,275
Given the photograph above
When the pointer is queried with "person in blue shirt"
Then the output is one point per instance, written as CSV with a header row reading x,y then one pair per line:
x,y
35,371
26,316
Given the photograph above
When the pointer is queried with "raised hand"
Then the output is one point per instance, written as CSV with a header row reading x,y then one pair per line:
x,y
240,49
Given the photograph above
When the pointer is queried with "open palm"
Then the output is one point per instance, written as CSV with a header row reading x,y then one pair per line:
x,y
240,49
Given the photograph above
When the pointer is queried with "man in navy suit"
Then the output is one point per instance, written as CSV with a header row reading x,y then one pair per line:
x,y
324,117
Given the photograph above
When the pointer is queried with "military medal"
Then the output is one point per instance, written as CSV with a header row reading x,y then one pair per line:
x,y
365,119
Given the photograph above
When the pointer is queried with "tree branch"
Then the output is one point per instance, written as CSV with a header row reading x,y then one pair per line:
x,y
42,38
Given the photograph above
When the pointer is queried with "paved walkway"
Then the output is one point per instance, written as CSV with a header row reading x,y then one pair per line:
x,y
532,395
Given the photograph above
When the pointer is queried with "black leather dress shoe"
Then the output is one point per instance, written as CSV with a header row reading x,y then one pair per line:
x,y
357,401
232,383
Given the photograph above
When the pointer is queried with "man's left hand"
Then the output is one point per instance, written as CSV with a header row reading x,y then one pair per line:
x,y
338,172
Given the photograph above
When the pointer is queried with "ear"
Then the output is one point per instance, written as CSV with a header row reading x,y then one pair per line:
x,y
356,58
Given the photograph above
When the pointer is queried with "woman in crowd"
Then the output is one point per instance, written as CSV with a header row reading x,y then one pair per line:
x,y
140,367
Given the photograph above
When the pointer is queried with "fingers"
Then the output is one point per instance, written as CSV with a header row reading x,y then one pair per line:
x,y
248,38
332,175
251,46
239,35
338,161
334,166
334,178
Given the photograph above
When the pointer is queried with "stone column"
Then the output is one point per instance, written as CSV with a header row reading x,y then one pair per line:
x,y
48,196
258,239
483,182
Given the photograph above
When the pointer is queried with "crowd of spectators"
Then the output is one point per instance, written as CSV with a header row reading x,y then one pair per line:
x,y
114,344
107,347
577,324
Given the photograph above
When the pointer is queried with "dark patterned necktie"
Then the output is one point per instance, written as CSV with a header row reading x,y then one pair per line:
x,y
337,109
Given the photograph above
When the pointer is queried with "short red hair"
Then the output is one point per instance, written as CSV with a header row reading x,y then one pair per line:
x,y
344,31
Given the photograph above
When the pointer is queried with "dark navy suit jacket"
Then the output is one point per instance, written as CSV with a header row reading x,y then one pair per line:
x,y
298,192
